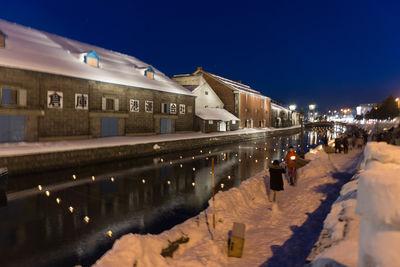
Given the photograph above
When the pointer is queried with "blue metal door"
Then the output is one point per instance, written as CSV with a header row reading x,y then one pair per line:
x,y
12,128
109,127
165,126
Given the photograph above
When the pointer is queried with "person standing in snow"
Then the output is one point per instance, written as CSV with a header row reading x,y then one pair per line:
x,y
345,143
290,160
276,180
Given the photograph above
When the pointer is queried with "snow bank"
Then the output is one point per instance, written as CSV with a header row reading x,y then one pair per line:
x,y
247,204
340,233
366,216
319,165
379,206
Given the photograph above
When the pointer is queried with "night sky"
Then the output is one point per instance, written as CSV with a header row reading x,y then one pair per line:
x,y
335,53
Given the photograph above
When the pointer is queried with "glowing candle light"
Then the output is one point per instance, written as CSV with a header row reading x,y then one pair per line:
x,y
222,185
58,200
168,182
40,187
181,165
143,181
109,233
193,184
93,178
194,169
112,179
256,160
74,177
229,177
250,156
240,160
162,160
206,158
201,151
86,219
170,162
71,209
47,193
274,149
209,152
180,157
192,157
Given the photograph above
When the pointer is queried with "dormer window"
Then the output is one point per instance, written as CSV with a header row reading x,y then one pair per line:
x,y
149,73
2,40
91,58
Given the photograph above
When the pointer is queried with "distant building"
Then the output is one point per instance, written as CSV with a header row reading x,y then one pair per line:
x,y
56,88
363,109
248,105
283,116
210,113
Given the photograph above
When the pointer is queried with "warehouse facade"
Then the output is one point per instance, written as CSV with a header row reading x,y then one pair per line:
x,y
54,88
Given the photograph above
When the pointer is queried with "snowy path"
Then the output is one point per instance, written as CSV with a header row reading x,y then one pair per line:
x,y
274,237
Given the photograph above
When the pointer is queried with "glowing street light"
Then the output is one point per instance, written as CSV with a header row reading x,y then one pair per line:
x,y
312,106
292,107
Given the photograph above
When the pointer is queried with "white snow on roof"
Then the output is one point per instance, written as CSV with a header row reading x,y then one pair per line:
x,y
235,85
35,50
215,114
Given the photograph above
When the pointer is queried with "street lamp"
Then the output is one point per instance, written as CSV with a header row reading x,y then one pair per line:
x,y
311,106
292,107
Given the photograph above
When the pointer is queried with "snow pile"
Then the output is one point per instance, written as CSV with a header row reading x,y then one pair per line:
x,y
379,206
340,233
248,204
320,163
145,249
366,216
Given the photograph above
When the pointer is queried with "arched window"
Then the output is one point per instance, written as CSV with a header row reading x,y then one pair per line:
x,y
149,73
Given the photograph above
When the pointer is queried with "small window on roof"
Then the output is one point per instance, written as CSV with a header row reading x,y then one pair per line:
x,y
149,73
2,40
91,58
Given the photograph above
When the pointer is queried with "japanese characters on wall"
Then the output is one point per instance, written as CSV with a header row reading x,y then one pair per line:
x,y
134,105
172,108
182,109
54,99
82,101
148,106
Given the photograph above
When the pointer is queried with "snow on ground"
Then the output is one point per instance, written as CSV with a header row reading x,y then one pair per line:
x,y
374,238
280,235
24,148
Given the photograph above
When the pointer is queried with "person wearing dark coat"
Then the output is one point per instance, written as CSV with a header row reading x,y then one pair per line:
x,y
276,179
345,144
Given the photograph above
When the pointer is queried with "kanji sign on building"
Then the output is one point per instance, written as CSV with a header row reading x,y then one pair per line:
x,y
134,105
172,108
81,101
54,99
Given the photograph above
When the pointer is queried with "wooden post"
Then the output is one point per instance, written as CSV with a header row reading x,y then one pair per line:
x,y
213,191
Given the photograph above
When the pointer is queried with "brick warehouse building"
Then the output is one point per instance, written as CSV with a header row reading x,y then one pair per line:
x,y
250,106
56,88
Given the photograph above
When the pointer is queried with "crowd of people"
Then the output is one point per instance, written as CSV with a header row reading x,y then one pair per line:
x,y
352,139
390,136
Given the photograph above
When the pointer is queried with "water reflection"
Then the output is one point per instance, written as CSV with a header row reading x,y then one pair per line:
x,y
147,195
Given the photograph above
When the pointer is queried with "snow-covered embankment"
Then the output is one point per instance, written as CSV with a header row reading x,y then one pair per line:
x,y
246,204
363,227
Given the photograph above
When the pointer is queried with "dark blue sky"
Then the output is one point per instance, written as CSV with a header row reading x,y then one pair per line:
x,y
336,53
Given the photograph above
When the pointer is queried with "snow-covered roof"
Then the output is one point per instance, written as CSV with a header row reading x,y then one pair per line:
x,y
35,50
235,85
215,114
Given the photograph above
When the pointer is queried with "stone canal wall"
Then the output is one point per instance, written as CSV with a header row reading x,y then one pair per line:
x,y
74,158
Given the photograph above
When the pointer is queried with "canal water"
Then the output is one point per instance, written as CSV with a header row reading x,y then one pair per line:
x,y
72,216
